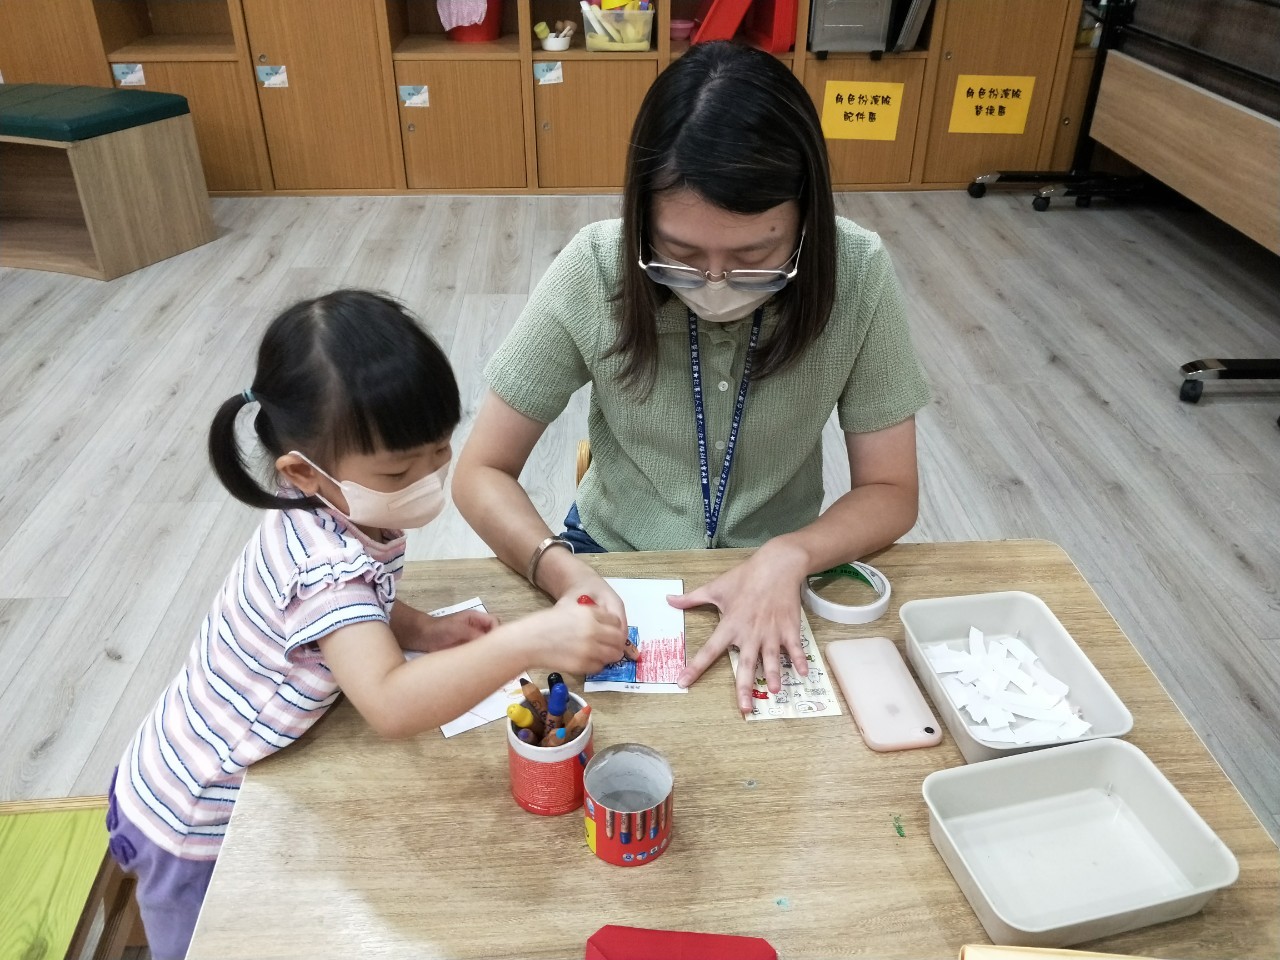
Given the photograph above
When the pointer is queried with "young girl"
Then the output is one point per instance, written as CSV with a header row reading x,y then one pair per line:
x,y
357,406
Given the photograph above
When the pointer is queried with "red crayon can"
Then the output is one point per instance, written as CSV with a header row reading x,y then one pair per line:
x,y
627,804
548,780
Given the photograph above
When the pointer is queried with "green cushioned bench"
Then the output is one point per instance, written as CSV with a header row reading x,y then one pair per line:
x,y
97,182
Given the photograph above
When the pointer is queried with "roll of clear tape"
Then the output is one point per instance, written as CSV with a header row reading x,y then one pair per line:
x,y
845,613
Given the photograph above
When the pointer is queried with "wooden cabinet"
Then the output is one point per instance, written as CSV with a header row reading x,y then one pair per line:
x,y
335,122
871,161
1020,38
332,127
583,125
1072,112
470,133
225,113
44,42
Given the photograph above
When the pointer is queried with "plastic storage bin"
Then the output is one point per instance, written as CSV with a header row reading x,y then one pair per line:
x,y
946,620
849,25
618,30
1061,846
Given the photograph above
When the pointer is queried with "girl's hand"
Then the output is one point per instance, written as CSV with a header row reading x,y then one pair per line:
x,y
440,633
759,604
588,583
580,638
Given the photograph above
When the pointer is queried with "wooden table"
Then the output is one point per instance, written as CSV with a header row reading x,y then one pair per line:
x,y
344,845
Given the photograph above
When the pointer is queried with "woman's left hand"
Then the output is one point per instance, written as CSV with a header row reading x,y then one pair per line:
x,y
759,604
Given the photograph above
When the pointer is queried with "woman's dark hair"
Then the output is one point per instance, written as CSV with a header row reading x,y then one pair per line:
x,y
349,372
734,126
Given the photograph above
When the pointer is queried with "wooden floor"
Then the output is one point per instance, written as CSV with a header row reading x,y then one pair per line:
x,y
1052,341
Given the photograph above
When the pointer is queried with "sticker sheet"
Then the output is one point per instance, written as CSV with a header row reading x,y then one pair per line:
x,y
811,696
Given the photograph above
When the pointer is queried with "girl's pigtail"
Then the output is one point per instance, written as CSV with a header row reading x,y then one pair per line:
x,y
229,464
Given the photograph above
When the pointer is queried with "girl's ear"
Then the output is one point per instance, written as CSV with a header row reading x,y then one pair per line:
x,y
299,473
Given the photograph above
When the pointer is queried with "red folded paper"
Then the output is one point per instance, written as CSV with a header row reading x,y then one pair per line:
x,y
636,943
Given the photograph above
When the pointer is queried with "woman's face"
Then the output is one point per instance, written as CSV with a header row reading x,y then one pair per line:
x,y
688,229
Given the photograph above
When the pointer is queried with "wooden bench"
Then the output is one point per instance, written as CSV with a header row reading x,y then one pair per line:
x,y
97,182
57,881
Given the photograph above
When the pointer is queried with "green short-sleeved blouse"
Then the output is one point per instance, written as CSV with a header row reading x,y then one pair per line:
x,y
643,490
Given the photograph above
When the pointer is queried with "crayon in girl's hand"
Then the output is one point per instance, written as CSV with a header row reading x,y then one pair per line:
x,y
524,717
556,701
586,601
537,702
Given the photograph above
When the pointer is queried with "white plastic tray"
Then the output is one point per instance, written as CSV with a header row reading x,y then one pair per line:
x,y
1061,846
946,620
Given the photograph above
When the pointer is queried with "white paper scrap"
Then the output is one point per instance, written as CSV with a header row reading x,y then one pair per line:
x,y
1007,693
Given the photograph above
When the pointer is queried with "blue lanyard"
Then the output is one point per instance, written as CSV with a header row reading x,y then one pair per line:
x,y
711,509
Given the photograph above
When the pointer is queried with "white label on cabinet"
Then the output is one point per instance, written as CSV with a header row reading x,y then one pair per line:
x,y
548,72
273,76
412,96
129,74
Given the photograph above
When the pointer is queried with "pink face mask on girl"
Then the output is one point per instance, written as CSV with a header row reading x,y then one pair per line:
x,y
414,506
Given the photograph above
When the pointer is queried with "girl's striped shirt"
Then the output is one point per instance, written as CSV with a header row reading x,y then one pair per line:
x,y
254,680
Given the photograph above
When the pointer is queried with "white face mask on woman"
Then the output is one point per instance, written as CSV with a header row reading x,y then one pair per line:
x,y
717,302
414,506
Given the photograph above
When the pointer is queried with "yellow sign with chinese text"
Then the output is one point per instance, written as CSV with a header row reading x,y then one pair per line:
x,y
987,104
860,110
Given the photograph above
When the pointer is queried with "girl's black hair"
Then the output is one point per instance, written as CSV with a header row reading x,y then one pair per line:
x,y
734,126
349,372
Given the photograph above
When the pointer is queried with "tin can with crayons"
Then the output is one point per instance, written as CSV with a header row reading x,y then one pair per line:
x,y
627,804
548,780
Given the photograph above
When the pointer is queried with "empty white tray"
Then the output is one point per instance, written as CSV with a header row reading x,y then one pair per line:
x,y
1083,841
946,621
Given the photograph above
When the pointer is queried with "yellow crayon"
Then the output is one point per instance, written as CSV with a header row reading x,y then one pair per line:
x,y
525,718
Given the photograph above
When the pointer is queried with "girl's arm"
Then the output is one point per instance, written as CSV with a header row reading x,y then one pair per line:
x,y
487,490
415,630
400,699
759,600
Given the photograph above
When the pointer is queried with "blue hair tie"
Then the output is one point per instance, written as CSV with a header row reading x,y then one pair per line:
x,y
247,393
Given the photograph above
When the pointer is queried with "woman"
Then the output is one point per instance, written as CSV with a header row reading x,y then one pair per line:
x,y
719,323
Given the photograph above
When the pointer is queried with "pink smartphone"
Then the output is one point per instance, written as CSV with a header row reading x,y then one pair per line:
x,y
888,707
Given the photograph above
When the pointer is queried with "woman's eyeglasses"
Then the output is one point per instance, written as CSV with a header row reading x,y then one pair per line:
x,y
685,277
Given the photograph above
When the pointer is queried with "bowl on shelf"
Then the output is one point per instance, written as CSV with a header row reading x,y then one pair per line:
x,y
681,29
556,43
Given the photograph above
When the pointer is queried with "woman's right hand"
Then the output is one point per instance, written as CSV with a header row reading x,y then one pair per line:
x,y
581,638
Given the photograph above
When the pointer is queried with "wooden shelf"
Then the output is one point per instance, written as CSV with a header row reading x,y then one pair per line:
x,y
60,245
680,47
811,57
177,47
436,46
581,53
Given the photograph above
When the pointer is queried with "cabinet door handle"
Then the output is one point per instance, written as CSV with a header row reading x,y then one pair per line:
x,y
413,127
947,55
1066,121
262,58
546,124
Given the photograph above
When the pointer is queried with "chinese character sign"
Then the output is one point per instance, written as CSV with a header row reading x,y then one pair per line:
x,y
986,104
858,110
